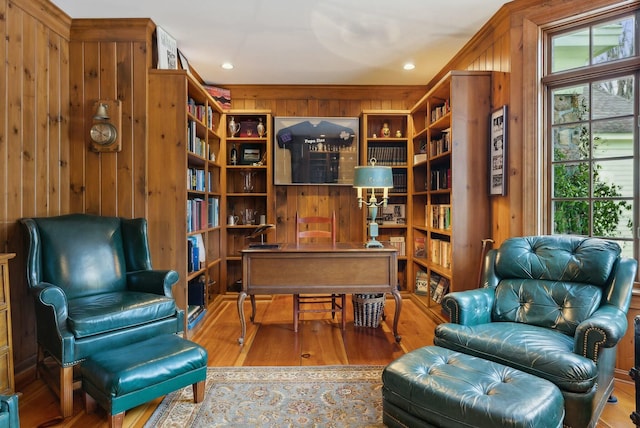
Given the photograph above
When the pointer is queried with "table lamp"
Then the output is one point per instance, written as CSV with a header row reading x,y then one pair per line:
x,y
373,177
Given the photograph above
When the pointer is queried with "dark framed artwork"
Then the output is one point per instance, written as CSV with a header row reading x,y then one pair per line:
x,y
498,152
250,153
315,150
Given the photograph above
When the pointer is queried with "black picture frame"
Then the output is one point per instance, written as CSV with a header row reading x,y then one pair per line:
x,y
250,153
315,150
498,152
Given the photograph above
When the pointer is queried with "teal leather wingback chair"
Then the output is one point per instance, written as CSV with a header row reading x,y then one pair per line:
x,y
93,289
553,306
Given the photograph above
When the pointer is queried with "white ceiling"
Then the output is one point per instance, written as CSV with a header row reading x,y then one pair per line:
x,y
325,42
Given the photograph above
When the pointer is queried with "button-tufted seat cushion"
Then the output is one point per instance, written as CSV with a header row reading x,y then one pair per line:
x,y
440,387
552,306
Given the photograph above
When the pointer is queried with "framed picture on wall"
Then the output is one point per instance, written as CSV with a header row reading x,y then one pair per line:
x,y
315,150
498,152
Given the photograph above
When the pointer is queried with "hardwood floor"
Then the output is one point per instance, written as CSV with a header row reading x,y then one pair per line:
x,y
271,341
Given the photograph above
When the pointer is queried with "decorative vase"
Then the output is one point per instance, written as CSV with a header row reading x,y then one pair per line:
x,y
234,127
260,128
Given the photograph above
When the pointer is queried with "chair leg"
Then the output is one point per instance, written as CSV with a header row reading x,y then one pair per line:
x,y
66,391
344,311
333,306
296,312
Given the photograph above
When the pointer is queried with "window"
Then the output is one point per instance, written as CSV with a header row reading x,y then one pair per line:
x,y
591,92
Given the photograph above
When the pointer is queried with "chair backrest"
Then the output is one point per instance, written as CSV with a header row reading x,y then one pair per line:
x,y
316,232
555,281
85,254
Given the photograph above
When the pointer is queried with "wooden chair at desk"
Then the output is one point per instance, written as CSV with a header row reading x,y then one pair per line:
x,y
299,299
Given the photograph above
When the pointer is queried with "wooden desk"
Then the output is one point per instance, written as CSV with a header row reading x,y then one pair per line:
x,y
346,268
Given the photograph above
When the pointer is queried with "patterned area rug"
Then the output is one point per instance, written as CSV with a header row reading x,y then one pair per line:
x,y
326,396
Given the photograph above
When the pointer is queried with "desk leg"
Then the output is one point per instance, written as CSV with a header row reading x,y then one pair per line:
x,y
243,324
253,308
396,318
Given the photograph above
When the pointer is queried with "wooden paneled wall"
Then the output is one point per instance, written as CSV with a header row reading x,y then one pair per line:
x,y
53,71
34,149
340,101
109,59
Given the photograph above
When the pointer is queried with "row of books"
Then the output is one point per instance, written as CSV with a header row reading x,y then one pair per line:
x,y
440,252
399,183
433,285
440,145
438,216
201,112
197,145
440,111
440,178
202,214
438,287
388,155
198,179
399,243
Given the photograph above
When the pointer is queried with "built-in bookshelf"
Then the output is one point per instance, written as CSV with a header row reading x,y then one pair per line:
x,y
449,193
248,187
185,187
385,139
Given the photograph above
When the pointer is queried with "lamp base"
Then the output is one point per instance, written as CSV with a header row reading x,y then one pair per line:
x,y
373,243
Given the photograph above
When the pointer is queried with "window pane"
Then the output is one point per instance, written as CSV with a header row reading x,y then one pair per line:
x,y
571,217
613,138
570,143
570,104
613,218
571,180
627,248
613,40
612,98
570,50
613,178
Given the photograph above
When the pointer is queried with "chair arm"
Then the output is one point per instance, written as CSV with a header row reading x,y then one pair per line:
x,y
603,329
152,281
51,310
469,307
9,416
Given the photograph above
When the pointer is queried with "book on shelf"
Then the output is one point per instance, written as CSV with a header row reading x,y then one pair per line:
x,y
419,157
419,247
441,289
422,283
440,252
439,216
399,243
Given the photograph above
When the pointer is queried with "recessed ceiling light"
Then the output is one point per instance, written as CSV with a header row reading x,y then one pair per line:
x,y
227,65
409,66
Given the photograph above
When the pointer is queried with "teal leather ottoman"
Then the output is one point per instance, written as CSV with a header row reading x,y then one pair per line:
x,y
434,386
123,378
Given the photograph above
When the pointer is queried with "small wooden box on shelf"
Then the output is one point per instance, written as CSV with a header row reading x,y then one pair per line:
x,y
248,186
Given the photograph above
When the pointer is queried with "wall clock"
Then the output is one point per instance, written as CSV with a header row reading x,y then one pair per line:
x,y
104,134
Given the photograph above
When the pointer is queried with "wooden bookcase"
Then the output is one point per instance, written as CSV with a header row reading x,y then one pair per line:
x,y
449,191
184,181
385,138
247,188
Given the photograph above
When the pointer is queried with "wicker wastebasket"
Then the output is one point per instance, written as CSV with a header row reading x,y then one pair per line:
x,y
368,309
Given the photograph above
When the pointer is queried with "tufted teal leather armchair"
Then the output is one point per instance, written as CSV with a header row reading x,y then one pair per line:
x,y
553,306
93,289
